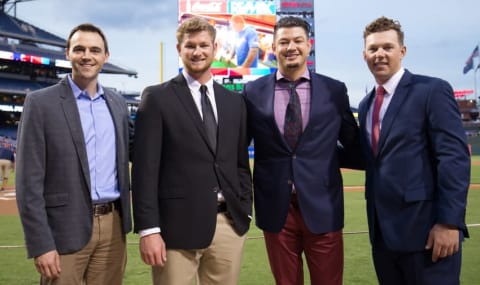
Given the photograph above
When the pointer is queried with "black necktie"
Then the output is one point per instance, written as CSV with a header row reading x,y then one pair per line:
x,y
208,118
293,118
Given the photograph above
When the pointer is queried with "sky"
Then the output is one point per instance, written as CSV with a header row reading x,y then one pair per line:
x,y
439,36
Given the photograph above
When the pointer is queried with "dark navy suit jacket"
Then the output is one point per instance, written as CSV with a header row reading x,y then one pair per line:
x,y
314,165
421,173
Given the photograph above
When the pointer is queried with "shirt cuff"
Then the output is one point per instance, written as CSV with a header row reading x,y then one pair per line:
x,y
147,232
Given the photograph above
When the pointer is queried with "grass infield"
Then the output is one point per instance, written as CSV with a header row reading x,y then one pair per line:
x,y
358,270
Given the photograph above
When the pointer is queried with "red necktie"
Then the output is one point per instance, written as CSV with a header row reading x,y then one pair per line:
x,y
377,105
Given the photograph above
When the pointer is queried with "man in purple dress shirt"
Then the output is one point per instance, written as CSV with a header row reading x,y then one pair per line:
x,y
298,119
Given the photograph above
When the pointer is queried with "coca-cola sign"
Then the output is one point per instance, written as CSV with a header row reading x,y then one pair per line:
x,y
203,6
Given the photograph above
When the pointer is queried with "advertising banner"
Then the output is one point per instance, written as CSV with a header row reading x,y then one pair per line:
x,y
245,27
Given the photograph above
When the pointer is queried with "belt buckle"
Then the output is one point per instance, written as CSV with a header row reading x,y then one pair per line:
x,y
103,209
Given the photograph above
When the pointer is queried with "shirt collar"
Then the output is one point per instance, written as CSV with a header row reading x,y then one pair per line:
x,y
193,84
392,83
77,92
305,76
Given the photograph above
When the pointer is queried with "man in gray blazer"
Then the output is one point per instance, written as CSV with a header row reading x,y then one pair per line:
x,y
72,171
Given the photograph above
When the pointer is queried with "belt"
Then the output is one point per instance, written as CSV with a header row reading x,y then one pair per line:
x,y
221,207
105,208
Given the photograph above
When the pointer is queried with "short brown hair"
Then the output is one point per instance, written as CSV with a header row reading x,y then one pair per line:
x,y
195,25
87,27
383,24
291,22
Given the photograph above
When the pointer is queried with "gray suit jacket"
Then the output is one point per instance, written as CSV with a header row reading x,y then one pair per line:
x,y
53,179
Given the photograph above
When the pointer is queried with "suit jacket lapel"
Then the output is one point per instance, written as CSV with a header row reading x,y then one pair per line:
x,y
267,103
72,117
223,111
362,117
319,94
401,94
117,119
183,93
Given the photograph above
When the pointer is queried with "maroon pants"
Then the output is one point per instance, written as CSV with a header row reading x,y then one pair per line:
x,y
323,252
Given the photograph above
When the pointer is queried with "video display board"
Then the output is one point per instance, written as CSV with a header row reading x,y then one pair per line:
x,y
23,57
303,9
240,25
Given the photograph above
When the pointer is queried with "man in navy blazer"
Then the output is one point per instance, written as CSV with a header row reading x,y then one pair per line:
x,y
72,183
298,188
418,174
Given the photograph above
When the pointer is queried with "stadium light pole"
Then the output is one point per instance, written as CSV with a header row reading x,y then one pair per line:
x,y
161,62
475,83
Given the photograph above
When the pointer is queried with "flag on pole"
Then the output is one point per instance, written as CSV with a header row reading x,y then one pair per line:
x,y
469,62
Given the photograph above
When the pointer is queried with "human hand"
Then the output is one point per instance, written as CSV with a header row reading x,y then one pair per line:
x,y
242,70
153,250
48,264
444,239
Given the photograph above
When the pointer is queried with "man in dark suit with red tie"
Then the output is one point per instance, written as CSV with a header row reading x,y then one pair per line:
x,y
297,119
418,167
192,192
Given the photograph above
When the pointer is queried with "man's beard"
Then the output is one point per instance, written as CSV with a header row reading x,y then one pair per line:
x,y
293,65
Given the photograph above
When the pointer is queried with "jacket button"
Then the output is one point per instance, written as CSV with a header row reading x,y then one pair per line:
x,y
289,182
216,189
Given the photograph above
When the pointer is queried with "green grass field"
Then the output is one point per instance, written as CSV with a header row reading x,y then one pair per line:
x,y
16,269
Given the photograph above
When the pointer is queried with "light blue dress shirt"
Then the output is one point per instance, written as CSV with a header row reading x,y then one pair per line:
x,y
99,133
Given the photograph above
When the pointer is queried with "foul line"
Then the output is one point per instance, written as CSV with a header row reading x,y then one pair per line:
x,y
248,238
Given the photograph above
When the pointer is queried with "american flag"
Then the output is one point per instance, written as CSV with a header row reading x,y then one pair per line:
x,y
469,63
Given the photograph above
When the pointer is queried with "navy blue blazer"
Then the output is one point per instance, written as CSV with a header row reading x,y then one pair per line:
x,y
314,165
421,173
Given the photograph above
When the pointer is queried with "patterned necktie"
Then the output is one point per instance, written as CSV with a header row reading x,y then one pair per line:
x,y
208,118
377,105
293,118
